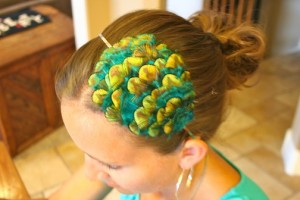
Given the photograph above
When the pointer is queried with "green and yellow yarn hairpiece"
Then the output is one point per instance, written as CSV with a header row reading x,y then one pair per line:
x,y
142,84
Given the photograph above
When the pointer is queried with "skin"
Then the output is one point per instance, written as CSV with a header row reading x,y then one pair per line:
x,y
111,157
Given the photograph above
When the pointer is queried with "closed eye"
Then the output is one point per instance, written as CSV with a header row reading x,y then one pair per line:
x,y
109,166
113,167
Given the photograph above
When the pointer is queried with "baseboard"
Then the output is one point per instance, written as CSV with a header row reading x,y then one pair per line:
x,y
291,155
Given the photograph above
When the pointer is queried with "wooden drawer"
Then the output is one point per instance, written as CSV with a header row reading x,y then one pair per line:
x,y
29,108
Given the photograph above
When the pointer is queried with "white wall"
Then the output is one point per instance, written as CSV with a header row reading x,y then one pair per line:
x,y
121,7
291,146
80,22
92,16
286,37
184,8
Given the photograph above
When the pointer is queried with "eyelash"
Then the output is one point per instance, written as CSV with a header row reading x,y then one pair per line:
x,y
110,167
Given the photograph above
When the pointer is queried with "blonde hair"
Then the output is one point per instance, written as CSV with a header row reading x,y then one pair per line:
x,y
218,55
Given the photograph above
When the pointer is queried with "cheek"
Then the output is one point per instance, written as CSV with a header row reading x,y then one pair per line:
x,y
90,168
141,180
133,180
96,171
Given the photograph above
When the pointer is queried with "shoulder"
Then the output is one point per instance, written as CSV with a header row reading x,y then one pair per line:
x,y
247,189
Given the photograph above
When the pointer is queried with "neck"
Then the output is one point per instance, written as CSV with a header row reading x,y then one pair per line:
x,y
220,172
166,194
185,192
212,178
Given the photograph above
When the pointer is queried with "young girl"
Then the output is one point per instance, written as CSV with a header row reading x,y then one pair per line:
x,y
142,100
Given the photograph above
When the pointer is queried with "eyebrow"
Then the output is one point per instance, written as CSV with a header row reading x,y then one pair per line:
x,y
103,163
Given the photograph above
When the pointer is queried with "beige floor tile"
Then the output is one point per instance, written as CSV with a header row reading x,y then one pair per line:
x,y
71,155
56,138
245,97
273,188
289,98
294,197
42,170
223,147
244,142
283,64
258,93
59,136
272,131
273,165
265,109
291,83
113,195
51,190
269,85
37,195
236,121
289,115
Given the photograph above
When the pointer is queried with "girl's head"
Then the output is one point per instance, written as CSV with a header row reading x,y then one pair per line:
x,y
211,54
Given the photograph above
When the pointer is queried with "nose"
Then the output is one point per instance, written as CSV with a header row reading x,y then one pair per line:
x,y
103,176
94,170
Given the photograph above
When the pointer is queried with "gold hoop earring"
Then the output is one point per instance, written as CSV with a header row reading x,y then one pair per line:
x,y
179,181
178,184
188,181
190,178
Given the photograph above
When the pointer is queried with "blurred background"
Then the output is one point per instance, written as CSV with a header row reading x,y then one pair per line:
x,y
261,133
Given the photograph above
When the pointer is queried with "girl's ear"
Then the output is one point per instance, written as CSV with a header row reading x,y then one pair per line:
x,y
193,151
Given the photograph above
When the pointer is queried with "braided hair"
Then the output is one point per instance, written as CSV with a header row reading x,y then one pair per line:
x,y
141,83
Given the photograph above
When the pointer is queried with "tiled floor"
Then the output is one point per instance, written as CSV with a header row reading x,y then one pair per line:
x,y
251,136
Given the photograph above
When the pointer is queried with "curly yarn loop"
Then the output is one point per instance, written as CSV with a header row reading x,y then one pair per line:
x,y
142,84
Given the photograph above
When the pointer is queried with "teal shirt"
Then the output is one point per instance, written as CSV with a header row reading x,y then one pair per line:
x,y
246,189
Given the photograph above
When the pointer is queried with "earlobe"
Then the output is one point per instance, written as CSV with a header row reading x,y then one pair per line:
x,y
193,151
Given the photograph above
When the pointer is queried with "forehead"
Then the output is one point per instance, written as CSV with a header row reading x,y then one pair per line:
x,y
95,135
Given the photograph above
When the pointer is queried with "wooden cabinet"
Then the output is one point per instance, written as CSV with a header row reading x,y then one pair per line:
x,y
29,108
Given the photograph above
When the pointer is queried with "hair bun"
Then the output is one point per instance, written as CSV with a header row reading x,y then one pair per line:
x,y
242,45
